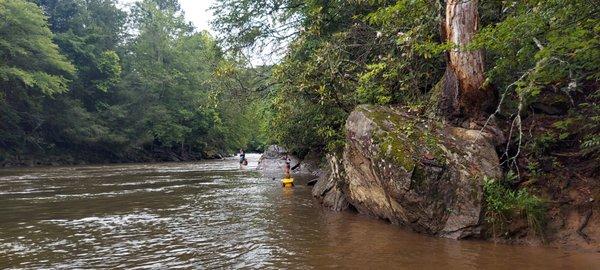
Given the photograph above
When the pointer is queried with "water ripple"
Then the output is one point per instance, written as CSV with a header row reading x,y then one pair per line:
x,y
213,215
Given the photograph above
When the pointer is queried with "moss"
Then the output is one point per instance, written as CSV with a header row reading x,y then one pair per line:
x,y
393,148
380,116
433,145
400,137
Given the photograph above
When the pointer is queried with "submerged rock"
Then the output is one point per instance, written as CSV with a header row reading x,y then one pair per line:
x,y
411,171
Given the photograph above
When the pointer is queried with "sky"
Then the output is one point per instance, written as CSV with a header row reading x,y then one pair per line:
x,y
195,11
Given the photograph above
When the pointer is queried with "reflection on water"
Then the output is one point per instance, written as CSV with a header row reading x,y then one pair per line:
x,y
213,215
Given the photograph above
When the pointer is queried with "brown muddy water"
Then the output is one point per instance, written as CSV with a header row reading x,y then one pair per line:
x,y
211,214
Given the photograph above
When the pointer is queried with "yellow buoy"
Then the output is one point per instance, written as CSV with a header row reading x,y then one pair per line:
x,y
287,182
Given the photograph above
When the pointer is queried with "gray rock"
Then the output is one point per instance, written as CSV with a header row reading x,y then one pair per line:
x,y
274,152
274,159
327,191
272,163
411,171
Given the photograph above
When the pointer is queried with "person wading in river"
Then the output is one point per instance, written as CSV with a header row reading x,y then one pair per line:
x,y
287,168
243,160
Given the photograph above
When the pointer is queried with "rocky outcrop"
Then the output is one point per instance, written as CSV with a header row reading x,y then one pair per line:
x,y
273,152
412,171
327,191
313,163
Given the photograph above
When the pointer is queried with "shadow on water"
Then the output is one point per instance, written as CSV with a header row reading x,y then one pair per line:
x,y
211,214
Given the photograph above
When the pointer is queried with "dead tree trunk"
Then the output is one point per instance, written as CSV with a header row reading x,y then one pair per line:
x,y
462,91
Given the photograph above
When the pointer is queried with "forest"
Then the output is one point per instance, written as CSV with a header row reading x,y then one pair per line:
x,y
90,81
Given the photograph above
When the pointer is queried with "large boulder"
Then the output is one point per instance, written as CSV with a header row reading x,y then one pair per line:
x,y
413,171
272,163
273,152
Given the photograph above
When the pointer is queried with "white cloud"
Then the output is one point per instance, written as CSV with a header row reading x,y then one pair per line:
x,y
195,11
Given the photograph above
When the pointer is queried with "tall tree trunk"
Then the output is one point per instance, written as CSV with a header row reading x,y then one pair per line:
x,y
463,94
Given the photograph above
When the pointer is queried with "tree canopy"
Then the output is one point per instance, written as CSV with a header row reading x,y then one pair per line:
x,y
85,81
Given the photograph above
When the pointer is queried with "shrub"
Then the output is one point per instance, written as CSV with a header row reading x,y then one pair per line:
x,y
503,204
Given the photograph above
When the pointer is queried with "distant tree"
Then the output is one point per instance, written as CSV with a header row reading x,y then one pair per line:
x,y
31,68
90,116
30,59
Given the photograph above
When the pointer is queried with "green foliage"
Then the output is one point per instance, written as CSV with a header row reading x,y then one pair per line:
x,y
340,54
543,143
109,68
370,90
585,127
503,205
552,42
30,58
258,24
409,60
303,126
539,48
31,70
152,88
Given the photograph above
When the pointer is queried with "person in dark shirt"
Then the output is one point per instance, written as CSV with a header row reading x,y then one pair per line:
x,y
243,161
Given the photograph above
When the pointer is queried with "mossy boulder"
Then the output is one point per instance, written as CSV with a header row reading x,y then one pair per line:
x,y
415,171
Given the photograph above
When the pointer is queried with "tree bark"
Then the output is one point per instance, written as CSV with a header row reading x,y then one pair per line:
x,y
463,94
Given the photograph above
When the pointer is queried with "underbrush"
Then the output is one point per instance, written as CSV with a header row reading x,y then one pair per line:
x,y
504,205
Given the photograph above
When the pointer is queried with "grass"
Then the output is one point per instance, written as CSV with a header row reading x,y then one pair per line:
x,y
503,204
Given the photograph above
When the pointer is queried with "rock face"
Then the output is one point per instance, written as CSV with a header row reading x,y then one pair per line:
x,y
411,171
327,191
273,152
271,162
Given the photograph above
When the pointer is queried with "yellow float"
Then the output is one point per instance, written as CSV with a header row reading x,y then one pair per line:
x,y
287,182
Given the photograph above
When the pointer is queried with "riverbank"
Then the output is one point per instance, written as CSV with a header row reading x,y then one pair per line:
x,y
444,180
96,156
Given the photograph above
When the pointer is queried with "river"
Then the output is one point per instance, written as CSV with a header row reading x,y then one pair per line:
x,y
211,214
